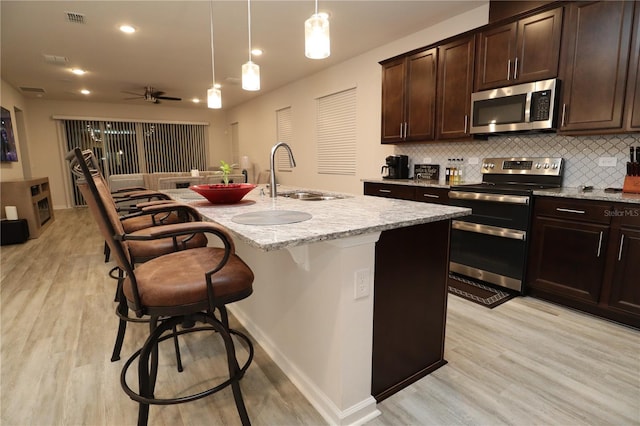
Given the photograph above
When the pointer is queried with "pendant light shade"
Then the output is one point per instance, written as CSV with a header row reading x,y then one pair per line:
x,y
317,43
214,98
251,76
250,70
214,95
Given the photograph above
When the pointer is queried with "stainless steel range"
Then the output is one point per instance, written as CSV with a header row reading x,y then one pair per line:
x,y
491,244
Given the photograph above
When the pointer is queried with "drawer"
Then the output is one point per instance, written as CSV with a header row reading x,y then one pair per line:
x,y
572,209
403,192
432,195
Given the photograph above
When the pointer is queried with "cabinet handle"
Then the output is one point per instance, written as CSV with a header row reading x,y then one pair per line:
x,y
620,249
386,191
570,210
401,127
466,122
599,245
406,126
515,69
430,196
508,69
564,109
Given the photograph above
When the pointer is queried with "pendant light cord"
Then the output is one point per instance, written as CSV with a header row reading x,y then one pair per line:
x,y
316,7
249,25
213,69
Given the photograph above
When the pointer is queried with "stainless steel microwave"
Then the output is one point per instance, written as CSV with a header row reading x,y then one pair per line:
x,y
523,107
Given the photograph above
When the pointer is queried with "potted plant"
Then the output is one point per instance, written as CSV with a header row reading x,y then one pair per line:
x,y
224,193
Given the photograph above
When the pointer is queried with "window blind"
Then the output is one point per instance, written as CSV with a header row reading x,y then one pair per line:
x,y
284,133
336,133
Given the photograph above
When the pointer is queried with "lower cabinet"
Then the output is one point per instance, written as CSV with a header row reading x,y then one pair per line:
x,y
584,254
426,194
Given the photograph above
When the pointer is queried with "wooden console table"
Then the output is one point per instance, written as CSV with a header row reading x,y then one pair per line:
x,y
33,201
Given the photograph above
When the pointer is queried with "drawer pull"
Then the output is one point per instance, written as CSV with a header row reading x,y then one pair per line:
x,y
620,249
430,196
386,191
599,245
570,210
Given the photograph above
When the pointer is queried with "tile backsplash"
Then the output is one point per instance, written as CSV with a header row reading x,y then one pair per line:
x,y
581,154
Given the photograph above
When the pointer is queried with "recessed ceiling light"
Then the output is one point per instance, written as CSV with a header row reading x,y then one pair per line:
x,y
127,29
78,71
195,100
85,91
256,52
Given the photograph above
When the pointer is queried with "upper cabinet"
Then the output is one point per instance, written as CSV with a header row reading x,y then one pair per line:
x,y
595,66
633,81
519,52
455,84
409,97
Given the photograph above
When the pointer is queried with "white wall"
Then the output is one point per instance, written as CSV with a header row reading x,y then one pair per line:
x,y
257,121
47,154
10,99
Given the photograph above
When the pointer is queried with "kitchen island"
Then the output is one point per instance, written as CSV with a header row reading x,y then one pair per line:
x,y
313,307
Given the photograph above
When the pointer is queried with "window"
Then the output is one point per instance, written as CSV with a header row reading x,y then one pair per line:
x,y
284,133
136,147
336,133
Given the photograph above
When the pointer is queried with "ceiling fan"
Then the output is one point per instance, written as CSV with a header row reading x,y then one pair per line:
x,y
151,95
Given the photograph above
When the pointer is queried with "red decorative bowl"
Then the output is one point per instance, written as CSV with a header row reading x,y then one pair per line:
x,y
223,194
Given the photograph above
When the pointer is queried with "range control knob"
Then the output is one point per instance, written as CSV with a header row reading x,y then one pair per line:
x,y
554,166
491,165
546,165
538,165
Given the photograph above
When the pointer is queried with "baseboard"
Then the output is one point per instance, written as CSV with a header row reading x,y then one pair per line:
x,y
357,414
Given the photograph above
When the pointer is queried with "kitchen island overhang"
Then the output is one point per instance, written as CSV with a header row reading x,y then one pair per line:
x,y
306,311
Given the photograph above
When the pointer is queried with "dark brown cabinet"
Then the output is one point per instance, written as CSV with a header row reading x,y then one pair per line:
x,y
568,249
409,306
584,254
402,192
430,194
594,66
519,52
409,97
633,81
624,294
455,85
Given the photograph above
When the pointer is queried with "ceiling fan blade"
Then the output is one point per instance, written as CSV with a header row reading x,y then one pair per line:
x,y
157,93
168,98
133,93
137,97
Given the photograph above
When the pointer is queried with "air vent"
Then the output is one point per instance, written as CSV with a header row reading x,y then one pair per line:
x,y
55,60
75,18
32,91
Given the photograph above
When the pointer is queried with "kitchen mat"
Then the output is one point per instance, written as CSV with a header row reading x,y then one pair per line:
x,y
477,292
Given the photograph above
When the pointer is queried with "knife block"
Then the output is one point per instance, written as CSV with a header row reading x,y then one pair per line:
x,y
631,184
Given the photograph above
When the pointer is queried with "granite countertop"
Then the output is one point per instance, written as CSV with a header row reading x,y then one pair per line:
x,y
595,195
331,219
577,193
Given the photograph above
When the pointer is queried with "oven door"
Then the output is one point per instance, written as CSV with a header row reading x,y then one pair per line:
x,y
488,253
498,210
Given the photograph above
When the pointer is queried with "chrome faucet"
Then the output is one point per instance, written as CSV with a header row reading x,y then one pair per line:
x,y
272,166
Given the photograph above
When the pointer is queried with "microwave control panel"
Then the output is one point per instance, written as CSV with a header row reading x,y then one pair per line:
x,y
540,105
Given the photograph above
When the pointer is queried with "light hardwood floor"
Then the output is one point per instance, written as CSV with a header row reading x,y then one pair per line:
x,y
523,363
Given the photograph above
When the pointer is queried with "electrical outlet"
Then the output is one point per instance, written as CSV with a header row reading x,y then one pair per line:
x,y
607,161
361,283
473,160
426,160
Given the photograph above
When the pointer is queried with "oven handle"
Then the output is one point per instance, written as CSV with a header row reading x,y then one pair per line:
x,y
502,198
489,230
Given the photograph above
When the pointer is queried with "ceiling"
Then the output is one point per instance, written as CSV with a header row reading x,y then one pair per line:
x,y
171,50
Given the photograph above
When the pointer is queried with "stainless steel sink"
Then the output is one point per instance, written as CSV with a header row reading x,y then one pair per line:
x,y
310,196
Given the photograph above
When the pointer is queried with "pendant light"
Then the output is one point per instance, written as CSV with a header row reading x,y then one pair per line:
x,y
317,44
214,96
250,70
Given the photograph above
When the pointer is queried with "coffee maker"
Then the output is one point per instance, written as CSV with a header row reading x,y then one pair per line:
x,y
397,167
